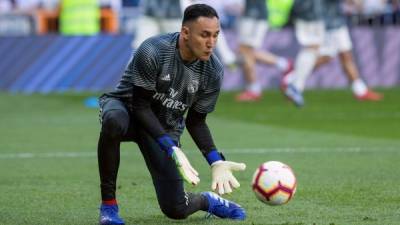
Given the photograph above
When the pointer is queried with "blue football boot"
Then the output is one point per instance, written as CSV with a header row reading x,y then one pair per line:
x,y
109,215
294,95
223,208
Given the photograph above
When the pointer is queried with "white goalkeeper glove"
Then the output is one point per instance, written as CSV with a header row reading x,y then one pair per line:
x,y
222,178
187,172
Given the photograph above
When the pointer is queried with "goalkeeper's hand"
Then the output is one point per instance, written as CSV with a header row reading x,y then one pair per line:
x,y
185,169
222,178
187,172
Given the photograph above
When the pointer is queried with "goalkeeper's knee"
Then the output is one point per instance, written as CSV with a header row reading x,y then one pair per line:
x,y
115,123
176,212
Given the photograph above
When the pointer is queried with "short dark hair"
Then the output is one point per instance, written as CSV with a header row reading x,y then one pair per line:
x,y
195,11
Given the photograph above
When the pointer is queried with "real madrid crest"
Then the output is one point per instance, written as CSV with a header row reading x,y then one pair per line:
x,y
193,86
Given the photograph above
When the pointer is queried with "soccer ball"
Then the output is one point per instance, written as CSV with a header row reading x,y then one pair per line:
x,y
274,183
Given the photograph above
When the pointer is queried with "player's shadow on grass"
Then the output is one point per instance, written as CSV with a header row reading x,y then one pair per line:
x,y
196,219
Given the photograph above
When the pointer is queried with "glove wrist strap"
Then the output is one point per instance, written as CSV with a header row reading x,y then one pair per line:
x,y
166,143
214,156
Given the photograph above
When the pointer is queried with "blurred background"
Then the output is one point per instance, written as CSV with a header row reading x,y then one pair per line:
x,y
58,56
44,49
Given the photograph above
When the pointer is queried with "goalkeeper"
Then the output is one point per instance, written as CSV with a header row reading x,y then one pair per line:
x,y
168,76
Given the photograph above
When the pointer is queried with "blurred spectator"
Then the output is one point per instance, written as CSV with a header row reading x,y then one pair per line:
x,y
6,6
50,4
365,7
19,6
128,16
17,17
373,7
130,3
115,5
27,5
79,17
372,12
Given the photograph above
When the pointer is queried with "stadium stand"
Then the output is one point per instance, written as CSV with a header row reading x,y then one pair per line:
x,y
50,62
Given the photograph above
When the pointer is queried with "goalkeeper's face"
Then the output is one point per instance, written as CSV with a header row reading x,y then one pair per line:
x,y
200,37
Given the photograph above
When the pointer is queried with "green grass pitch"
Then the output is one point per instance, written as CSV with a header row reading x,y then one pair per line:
x,y
345,155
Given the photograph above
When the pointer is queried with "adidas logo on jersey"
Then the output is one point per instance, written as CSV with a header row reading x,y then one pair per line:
x,y
166,78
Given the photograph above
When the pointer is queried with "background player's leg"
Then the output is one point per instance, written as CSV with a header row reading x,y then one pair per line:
x,y
228,57
310,35
358,86
304,65
251,37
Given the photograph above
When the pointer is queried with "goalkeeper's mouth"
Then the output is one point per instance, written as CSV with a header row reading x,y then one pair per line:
x,y
206,56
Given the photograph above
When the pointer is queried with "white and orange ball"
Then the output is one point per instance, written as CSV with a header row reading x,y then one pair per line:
x,y
274,183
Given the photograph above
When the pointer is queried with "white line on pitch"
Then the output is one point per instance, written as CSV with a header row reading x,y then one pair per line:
x,y
25,155
83,154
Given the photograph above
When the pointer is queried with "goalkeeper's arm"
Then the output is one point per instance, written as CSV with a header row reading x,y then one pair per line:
x,y
141,106
222,177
